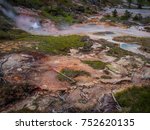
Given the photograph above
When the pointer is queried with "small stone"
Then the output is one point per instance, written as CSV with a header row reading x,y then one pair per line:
x,y
19,69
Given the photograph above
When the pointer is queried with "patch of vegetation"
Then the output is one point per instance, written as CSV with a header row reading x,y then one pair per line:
x,y
7,32
25,110
147,29
137,17
124,19
143,20
143,41
57,45
135,100
59,11
106,77
4,23
103,33
10,94
127,15
47,44
58,15
111,2
96,64
27,3
12,34
118,52
115,13
114,50
116,18
71,74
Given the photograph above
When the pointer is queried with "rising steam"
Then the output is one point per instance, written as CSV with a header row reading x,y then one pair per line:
x,y
7,10
23,22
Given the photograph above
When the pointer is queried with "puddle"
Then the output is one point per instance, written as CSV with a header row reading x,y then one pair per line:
x,y
130,47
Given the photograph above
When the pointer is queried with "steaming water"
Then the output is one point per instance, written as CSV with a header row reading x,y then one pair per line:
x,y
36,25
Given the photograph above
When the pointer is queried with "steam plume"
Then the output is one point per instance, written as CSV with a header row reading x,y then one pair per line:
x,y
7,9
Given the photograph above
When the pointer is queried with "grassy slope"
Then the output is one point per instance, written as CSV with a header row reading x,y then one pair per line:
x,y
135,99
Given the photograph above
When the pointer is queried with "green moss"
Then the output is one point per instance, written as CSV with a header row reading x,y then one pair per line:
x,y
96,64
135,99
71,74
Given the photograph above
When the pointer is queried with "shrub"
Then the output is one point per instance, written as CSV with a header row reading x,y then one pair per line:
x,y
137,17
127,15
114,13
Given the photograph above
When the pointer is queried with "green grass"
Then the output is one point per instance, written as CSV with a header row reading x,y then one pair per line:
x,y
57,45
12,34
71,74
47,44
96,64
135,100
63,19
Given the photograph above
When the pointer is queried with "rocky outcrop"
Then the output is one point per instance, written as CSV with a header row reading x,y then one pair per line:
x,y
107,104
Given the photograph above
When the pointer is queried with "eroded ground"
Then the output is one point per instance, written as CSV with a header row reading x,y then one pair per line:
x,y
80,75
85,94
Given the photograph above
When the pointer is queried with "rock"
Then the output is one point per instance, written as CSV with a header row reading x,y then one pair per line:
x,y
19,69
118,69
115,81
146,73
106,104
96,45
73,52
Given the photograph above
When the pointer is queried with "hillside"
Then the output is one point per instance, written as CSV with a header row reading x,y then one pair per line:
x,y
74,56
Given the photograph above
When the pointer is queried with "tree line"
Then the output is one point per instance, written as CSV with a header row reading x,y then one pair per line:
x,y
139,3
